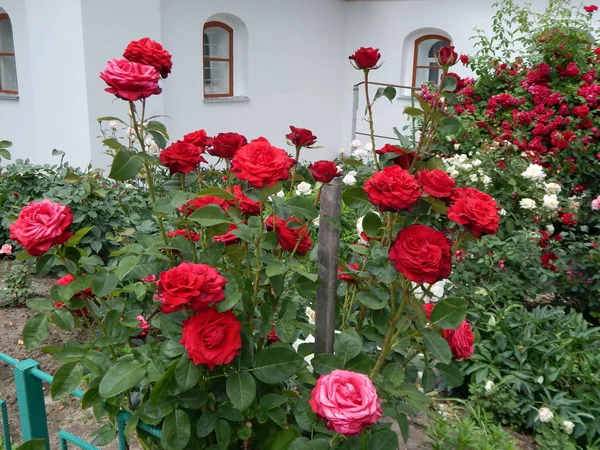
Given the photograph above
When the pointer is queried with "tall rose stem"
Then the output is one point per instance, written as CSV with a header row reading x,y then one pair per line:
x,y
257,261
371,124
297,158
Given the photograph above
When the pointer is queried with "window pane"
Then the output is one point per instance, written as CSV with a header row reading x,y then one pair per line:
x,y
427,50
6,37
424,74
216,42
216,77
8,73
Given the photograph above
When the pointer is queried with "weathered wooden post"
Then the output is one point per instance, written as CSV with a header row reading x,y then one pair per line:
x,y
328,255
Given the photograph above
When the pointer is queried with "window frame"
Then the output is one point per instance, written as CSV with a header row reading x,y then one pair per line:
x,y
5,16
426,37
216,24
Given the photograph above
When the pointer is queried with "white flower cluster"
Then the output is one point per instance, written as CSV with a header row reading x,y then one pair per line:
x,y
350,178
534,172
527,203
358,150
460,162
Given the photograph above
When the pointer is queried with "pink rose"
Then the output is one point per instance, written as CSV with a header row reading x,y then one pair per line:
x,y
130,80
6,249
346,401
42,225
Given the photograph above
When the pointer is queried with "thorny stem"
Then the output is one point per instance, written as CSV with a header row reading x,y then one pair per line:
x,y
257,261
298,148
371,124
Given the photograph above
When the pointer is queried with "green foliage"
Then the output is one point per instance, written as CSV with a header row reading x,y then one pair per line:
x,y
17,287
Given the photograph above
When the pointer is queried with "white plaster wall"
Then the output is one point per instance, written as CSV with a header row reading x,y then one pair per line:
x,y
296,52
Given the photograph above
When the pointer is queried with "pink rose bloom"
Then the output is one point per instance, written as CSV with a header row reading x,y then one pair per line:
x,y
130,80
595,205
346,401
42,225
144,326
6,249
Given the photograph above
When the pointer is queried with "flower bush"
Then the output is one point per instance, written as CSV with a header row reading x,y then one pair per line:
x,y
204,326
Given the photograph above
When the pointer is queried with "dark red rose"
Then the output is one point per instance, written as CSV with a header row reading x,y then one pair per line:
x,y
42,225
464,59
245,203
190,235
581,111
547,259
288,237
475,210
197,138
192,285
568,219
348,276
199,202
212,338
570,71
590,8
272,337
146,51
227,238
446,56
224,145
130,80
365,57
428,307
393,189
261,164
324,171
422,254
436,182
181,157
301,137
404,158
65,281
461,340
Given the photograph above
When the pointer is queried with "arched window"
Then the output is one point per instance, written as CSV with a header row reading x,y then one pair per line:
x,y
8,67
218,60
425,67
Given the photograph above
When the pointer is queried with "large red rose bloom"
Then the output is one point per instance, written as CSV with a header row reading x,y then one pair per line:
x,y
149,52
393,189
475,210
261,164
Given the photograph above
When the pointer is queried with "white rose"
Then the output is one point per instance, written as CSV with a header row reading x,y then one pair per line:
x,y
476,162
436,289
552,188
486,180
369,147
568,426
453,172
113,125
466,166
341,152
527,203
281,193
317,221
349,180
473,177
550,229
551,202
502,212
545,415
129,186
456,146
355,143
311,314
359,153
303,188
489,386
534,172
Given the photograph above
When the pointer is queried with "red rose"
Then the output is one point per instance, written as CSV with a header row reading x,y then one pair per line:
x,y
461,340
199,202
149,52
190,235
349,277
42,225
193,285
404,158
446,56
475,210
570,71
66,280
211,337
224,145
272,337
181,157
428,307
324,171
464,59
436,182
422,254
288,237
228,238
392,189
301,137
590,8
568,219
197,138
365,58
261,164
581,111
245,203
130,80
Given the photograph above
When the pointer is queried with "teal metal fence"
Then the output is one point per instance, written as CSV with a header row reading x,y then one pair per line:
x,y
29,381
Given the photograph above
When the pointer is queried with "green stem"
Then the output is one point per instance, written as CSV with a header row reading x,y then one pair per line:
x,y
257,262
298,148
370,114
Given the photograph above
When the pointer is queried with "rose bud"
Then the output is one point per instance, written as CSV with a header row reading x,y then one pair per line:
x,y
365,57
446,57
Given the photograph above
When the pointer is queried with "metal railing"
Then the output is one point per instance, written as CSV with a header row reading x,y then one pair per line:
x,y
32,409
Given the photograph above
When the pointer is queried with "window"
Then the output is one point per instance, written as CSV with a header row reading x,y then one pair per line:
x,y
218,60
8,67
425,67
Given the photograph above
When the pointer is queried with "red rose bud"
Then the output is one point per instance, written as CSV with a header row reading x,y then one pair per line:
x,y
324,171
225,145
365,58
301,137
272,337
146,51
464,59
446,56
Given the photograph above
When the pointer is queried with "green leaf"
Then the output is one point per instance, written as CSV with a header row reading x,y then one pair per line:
x,y
371,300
5,153
120,377
223,433
450,374
113,143
412,111
275,268
96,361
154,125
303,443
125,166
63,319
354,197
372,224
187,374
325,363
302,207
161,389
276,364
206,424
40,304
217,192
449,313
44,264
435,163
109,118
348,344
394,373
437,345
449,84
103,283
383,440
229,302
66,380
283,438
208,216
36,329
241,389
33,444
107,433
450,125
76,238
176,430
388,92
